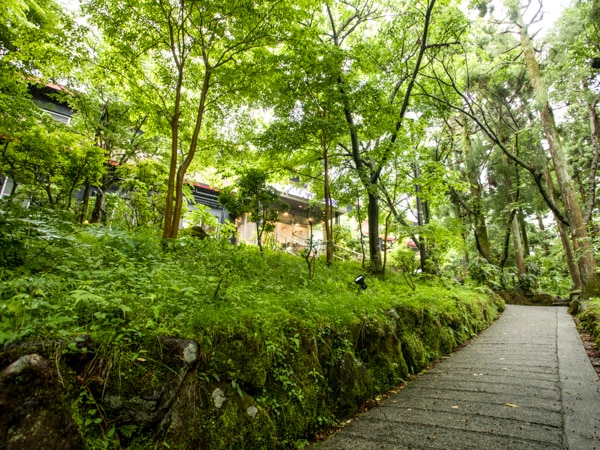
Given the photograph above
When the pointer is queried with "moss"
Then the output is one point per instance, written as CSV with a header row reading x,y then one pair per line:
x,y
447,341
297,393
431,335
388,369
413,351
279,384
34,407
590,320
243,358
410,317
352,384
592,287
241,424
201,419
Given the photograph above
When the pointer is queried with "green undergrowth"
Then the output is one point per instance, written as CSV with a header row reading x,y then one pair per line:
x,y
590,319
279,355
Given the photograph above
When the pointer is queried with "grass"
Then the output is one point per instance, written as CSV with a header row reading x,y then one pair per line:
x,y
100,279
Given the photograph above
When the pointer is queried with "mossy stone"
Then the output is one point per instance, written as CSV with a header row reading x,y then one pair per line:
x,y
413,351
244,359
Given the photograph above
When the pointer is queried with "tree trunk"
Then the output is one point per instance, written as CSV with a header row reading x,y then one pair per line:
x,y
177,173
259,236
385,240
507,234
545,246
581,244
523,228
98,213
564,239
519,257
479,225
514,222
595,134
422,244
375,262
85,202
369,182
328,223
397,216
362,238
168,225
370,171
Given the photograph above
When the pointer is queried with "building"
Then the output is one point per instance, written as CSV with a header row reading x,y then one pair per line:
x,y
294,229
43,97
296,226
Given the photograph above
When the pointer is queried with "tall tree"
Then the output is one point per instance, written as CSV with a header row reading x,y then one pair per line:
x,y
307,124
496,98
376,78
184,57
474,165
574,58
586,260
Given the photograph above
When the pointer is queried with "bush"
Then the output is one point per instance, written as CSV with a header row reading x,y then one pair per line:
x,y
406,261
482,272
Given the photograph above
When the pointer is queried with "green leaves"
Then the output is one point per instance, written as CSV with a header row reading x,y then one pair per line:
x,y
253,195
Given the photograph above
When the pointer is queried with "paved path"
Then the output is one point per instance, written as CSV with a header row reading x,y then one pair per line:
x,y
524,383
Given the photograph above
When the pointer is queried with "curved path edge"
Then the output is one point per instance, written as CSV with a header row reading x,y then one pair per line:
x,y
524,383
579,386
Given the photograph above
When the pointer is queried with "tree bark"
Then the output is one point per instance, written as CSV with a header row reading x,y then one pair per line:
x,y
328,223
369,171
595,134
519,257
421,221
545,246
368,183
173,212
85,201
174,122
397,216
565,241
375,261
514,221
99,211
479,225
523,229
362,238
507,234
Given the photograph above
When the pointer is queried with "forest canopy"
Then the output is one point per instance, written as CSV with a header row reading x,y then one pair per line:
x,y
456,127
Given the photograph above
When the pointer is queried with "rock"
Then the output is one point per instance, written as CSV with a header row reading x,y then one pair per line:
x,y
26,362
198,232
174,350
134,409
252,411
34,413
190,352
393,314
355,383
218,397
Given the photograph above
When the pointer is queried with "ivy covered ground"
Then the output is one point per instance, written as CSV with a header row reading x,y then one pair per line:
x,y
135,343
